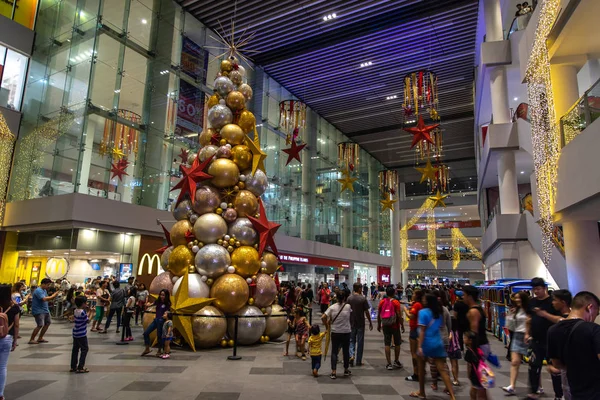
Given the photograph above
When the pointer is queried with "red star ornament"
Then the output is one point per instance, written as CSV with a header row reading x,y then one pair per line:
x,y
215,139
168,237
119,170
189,236
421,132
408,111
191,176
266,230
122,163
294,152
184,155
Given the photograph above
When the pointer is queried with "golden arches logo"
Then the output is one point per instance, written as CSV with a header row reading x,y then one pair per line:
x,y
149,260
56,267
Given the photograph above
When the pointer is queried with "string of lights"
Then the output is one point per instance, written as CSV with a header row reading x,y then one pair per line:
x,y
7,143
431,237
461,239
455,248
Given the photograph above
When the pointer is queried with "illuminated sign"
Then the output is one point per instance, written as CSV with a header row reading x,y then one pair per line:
x,y
304,259
56,267
384,274
285,257
150,260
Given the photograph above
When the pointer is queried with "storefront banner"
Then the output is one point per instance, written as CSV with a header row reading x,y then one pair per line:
x,y
190,104
446,225
303,259
384,275
149,261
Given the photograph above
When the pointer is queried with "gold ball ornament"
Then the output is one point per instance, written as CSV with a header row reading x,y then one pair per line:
x,y
208,331
219,211
267,339
212,101
206,136
245,260
251,301
247,121
226,66
245,203
222,142
230,249
242,157
230,292
241,185
236,101
272,263
178,231
232,241
180,259
236,77
223,343
231,343
225,172
210,281
233,134
246,90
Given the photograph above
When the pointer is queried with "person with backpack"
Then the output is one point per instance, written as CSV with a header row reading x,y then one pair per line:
x,y
389,318
9,313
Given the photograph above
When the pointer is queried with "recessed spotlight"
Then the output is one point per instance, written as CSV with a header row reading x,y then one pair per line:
x,y
329,17
391,97
49,251
144,21
522,172
366,64
516,98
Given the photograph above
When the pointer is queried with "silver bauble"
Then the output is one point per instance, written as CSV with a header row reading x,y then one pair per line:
x,y
197,289
265,291
160,282
244,232
164,258
242,70
276,322
246,90
207,151
212,260
220,115
208,332
207,200
182,210
193,218
249,329
257,183
209,228
236,77
191,158
223,86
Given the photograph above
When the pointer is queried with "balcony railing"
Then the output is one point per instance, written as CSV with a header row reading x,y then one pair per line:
x,y
581,115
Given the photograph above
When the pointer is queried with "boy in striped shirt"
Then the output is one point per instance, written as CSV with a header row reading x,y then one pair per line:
x,y
80,342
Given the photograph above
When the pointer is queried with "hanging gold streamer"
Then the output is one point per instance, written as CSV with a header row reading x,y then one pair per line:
x,y
455,248
431,237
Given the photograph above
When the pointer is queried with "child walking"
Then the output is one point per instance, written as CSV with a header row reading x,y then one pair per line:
x,y
473,357
167,335
315,342
291,331
302,329
80,342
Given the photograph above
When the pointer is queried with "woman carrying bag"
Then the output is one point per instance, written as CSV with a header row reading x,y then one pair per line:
x,y
337,320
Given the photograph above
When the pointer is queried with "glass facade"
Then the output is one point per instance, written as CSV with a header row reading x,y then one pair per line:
x,y
132,76
12,74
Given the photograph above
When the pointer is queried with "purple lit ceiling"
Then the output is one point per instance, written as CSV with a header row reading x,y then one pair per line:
x,y
319,62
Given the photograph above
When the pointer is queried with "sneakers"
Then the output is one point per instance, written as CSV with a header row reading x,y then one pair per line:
x,y
540,390
352,361
389,367
165,356
303,357
332,376
412,378
509,389
398,364
347,372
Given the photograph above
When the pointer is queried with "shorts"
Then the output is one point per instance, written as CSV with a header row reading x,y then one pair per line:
x,y
315,362
99,313
517,344
168,339
389,333
414,334
438,351
42,319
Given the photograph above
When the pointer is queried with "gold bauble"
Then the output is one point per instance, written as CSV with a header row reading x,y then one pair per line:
x,y
236,101
147,319
232,241
178,231
247,121
206,136
219,211
180,259
231,343
241,156
250,301
226,66
241,185
223,343
209,281
272,262
230,292
245,203
230,249
212,101
245,260
207,328
224,171
222,142
233,134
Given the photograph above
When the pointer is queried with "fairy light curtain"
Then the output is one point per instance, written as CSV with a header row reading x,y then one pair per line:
x,y
121,136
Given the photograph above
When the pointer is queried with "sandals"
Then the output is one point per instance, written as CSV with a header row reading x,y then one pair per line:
x,y
417,395
83,371
434,387
146,352
42,341
32,342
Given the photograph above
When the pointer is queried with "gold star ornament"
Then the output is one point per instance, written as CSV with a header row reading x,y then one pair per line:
x,y
427,172
438,199
347,181
258,156
117,153
387,203
183,308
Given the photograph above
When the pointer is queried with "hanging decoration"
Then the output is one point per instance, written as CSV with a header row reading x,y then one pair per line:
x,y
294,152
184,155
428,172
348,156
438,199
431,237
167,238
119,135
459,238
420,95
265,229
387,203
422,138
292,119
442,178
388,181
347,181
119,169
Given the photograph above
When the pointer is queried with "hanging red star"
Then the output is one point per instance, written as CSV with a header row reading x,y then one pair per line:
x,y
184,155
421,132
215,139
408,111
119,169
191,176
294,152
266,230
168,237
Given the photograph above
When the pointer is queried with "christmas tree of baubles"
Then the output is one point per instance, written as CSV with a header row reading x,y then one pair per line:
x,y
222,245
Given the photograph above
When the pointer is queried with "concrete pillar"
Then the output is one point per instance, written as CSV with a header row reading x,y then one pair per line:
x,y
86,157
499,93
507,184
564,88
493,20
582,254
395,239
373,207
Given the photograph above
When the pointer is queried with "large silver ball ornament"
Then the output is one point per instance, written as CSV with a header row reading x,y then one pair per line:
x,y
241,70
246,90
183,210
265,291
164,258
276,322
196,287
207,152
244,232
223,86
191,158
257,183
208,332
207,200
212,260
249,329
160,282
236,77
209,228
219,115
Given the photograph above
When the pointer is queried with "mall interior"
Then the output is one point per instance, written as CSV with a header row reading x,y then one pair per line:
x,y
438,138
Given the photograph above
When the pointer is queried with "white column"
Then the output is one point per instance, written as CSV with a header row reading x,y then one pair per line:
x,y
564,88
86,159
507,184
493,20
499,92
582,253
309,180
395,239
373,207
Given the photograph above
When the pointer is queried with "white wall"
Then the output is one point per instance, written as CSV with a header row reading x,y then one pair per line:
x,y
588,75
531,265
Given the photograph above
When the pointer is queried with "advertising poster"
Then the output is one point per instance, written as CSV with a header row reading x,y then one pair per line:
x,y
125,271
190,105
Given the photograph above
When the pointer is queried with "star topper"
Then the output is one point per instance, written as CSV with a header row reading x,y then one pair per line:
x,y
347,181
294,152
438,199
191,176
266,230
167,237
387,203
428,172
421,132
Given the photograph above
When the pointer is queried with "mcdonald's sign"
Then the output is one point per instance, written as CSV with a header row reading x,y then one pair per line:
x,y
150,261
57,267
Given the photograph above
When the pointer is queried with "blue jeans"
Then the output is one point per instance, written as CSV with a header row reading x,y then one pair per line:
x,y
157,325
5,348
357,343
315,362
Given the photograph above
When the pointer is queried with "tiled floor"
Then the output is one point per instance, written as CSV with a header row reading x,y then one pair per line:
x,y
118,372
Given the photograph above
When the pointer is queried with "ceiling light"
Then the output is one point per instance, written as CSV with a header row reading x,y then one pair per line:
x,y
329,17
118,91
391,97
522,172
144,21
516,98
49,251
366,64
73,250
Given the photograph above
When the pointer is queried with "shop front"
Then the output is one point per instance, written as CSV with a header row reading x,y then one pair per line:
x,y
305,269
365,273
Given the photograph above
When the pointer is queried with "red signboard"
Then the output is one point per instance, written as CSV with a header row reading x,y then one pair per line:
x,y
447,225
287,258
384,275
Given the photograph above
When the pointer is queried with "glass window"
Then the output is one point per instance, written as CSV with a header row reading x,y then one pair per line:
x,y
13,78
